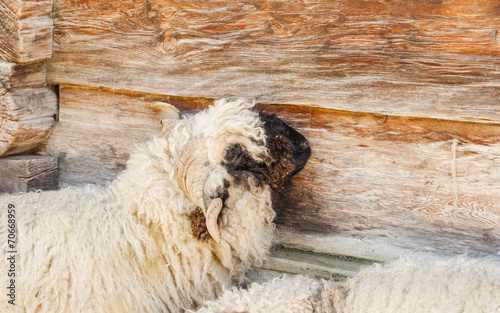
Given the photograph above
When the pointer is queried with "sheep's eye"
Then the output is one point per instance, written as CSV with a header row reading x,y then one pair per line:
x,y
243,167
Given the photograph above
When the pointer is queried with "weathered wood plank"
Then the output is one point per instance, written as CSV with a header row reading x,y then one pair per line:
x,y
27,118
22,173
96,126
28,103
321,265
408,58
375,185
25,42
24,9
43,181
26,32
25,166
22,75
22,136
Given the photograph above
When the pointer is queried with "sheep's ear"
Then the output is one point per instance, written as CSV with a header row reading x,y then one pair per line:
x,y
169,116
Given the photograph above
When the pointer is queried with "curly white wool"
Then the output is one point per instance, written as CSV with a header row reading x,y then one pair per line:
x,y
128,246
408,285
289,294
425,284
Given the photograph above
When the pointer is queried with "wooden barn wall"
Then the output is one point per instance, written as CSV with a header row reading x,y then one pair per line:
x,y
400,101
27,105
428,58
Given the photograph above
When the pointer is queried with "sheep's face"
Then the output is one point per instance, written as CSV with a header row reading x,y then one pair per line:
x,y
231,144
287,153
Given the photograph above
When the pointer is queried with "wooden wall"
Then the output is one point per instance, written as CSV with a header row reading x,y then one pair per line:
x,y
427,58
27,105
400,100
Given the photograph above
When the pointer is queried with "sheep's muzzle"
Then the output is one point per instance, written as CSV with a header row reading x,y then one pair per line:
x,y
289,150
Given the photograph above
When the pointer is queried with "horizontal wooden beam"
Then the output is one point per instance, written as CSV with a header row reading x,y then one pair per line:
x,y
22,173
27,118
374,187
23,75
435,59
294,261
29,103
114,121
26,32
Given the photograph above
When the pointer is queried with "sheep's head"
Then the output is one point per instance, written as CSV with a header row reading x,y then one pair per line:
x,y
231,143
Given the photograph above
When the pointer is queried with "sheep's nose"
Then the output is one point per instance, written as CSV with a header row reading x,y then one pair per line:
x,y
301,150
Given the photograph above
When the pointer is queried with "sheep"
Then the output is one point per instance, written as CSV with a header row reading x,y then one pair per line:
x,y
424,283
410,284
189,215
287,294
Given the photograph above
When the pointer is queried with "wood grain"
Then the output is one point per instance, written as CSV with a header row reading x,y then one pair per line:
x,y
22,136
21,173
423,58
292,261
27,118
28,103
26,166
375,185
26,107
26,32
97,131
22,75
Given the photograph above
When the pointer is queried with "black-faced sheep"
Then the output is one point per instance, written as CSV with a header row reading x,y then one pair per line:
x,y
192,211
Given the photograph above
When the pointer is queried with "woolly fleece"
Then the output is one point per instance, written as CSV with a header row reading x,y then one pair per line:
x,y
290,294
425,284
411,284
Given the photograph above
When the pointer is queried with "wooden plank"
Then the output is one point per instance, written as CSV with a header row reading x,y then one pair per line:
x,y
27,118
33,8
24,9
44,181
96,131
26,32
375,186
26,165
292,261
22,173
22,75
22,136
28,103
402,57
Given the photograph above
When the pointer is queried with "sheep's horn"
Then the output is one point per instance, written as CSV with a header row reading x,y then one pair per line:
x,y
211,216
192,171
